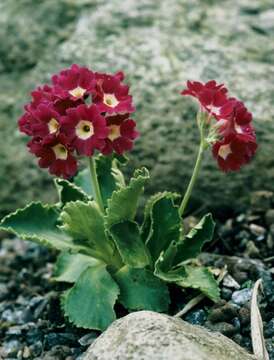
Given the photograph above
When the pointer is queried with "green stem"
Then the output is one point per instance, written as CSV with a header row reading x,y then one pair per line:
x,y
196,167
95,184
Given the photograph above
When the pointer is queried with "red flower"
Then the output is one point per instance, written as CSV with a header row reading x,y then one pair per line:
x,y
212,96
55,154
25,123
46,120
74,83
121,134
86,128
234,152
111,95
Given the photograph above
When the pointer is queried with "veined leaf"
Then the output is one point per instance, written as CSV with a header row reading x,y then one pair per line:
x,y
85,223
110,177
200,278
164,265
70,266
37,222
141,290
123,203
191,246
68,191
162,223
126,236
89,303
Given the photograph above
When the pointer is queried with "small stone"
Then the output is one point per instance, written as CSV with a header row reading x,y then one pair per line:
x,y
251,250
271,229
261,200
257,230
222,327
4,292
269,329
88,339
226,293
55,339
26,353
11,348
230,282
224,313
14,331
241,297
244,315
196,317
270,241
269,217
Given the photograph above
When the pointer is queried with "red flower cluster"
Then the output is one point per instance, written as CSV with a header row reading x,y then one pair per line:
x,y
79,113
236,142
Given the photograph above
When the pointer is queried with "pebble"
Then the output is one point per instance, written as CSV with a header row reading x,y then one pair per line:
x,y
196,317
11,348
261,200
88,339
244,316
226,293
223,313
269,328
55,339
230,282
3,292
257,230
269,217
241,297
222,327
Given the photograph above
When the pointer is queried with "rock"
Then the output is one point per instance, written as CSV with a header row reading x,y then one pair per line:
x,y
197,317
241,297
261,200
136,39
151,336
269,217
88,339
222,327
230,282
10,349
257,230
223,313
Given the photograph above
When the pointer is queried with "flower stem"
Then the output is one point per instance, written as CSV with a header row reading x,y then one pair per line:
x,y
196,167
95,184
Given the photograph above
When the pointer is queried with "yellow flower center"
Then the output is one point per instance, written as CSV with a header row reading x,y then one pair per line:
x,y
114,132
224,151
78,92
84,129
110,100
60,151
53,126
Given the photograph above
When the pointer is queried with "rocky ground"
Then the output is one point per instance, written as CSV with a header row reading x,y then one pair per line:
x,y
32,325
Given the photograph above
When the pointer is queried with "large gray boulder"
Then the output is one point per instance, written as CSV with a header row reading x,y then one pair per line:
x,y
159,44
146,335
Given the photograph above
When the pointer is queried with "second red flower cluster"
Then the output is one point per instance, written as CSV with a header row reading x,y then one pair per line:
x,y
79,113
235,144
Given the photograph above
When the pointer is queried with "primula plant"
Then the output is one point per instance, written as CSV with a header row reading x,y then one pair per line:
x,y
106,255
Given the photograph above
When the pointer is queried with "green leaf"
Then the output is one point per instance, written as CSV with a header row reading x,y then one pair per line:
x,y
37,222
141,290
123,203
126,236
110,178
164,265
85,223
162,223
191,246
68,191
89,303
200,278
70,266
